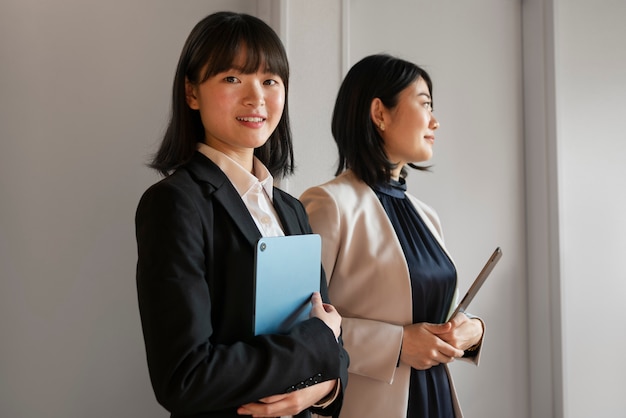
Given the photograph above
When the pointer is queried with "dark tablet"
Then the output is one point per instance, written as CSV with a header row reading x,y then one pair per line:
x,y
475,287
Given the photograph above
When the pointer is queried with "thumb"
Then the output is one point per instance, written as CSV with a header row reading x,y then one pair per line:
x,y
439,328
317,306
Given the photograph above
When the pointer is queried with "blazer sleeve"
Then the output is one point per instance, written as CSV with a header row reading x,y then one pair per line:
x,y
189,372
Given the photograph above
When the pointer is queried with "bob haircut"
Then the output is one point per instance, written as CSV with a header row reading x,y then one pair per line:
x,y
360,146
213,46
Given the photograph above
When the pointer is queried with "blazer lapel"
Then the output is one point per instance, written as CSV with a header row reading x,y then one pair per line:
x,y
203,170
287,214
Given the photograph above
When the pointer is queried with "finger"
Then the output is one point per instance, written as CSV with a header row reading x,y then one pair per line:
x,y
447,350
316,299
258,410
446,357
329,308
273,398
245,410
439,328
458,319
452,353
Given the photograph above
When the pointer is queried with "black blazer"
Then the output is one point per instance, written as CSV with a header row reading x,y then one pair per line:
x,y
195,240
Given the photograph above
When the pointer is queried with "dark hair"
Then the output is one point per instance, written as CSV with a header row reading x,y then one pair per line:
x,y
212,47
360,146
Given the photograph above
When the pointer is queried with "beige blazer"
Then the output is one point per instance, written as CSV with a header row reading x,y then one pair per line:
x,y
369,284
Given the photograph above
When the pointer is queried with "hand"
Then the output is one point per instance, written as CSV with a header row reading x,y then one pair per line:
x,y
464,332
288,403
326,313
423,348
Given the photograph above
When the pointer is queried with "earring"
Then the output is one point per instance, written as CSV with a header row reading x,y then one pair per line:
x,y
381,126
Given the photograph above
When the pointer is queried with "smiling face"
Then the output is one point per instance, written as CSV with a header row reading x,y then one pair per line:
x,y
239,111
408,128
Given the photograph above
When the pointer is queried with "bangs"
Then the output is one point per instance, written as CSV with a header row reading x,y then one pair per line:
x,y
242,51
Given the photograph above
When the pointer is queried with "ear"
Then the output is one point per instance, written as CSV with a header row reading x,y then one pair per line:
x,y
378,113
191,95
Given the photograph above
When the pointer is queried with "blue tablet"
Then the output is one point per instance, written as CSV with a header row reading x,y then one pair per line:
x,y
287,272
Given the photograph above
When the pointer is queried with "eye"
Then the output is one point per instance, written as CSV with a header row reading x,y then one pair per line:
x,y
270,82
428,106
231,79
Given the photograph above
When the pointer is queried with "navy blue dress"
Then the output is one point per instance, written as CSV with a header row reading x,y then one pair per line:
x,y
433,282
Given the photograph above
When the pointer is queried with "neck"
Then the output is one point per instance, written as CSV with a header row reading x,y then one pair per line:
x,y
395,173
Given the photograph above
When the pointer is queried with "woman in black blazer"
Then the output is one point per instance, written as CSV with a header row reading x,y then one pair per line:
x,y
197,228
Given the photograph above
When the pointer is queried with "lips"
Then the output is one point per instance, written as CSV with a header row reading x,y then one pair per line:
x,y
253,119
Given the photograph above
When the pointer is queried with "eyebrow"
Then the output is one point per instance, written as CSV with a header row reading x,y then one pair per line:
x,y
425,95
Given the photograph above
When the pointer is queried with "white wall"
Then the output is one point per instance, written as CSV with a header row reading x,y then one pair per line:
x,y
591,138
84,94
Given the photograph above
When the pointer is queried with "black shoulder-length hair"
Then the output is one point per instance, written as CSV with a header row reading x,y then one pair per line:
x,y
212,47
360,146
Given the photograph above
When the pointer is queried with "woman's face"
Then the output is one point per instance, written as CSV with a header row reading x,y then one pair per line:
x,y
239,111
409,127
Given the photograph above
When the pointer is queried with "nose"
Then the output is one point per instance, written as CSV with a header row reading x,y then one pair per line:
x,y
434,123
254,95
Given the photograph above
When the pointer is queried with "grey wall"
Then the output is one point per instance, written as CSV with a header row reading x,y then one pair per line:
x,y
574,136
591,138
84,94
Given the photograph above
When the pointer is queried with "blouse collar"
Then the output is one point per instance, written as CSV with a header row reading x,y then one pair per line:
x,y
393,188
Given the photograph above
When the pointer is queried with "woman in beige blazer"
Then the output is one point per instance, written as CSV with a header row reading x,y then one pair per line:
x,y
388,271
